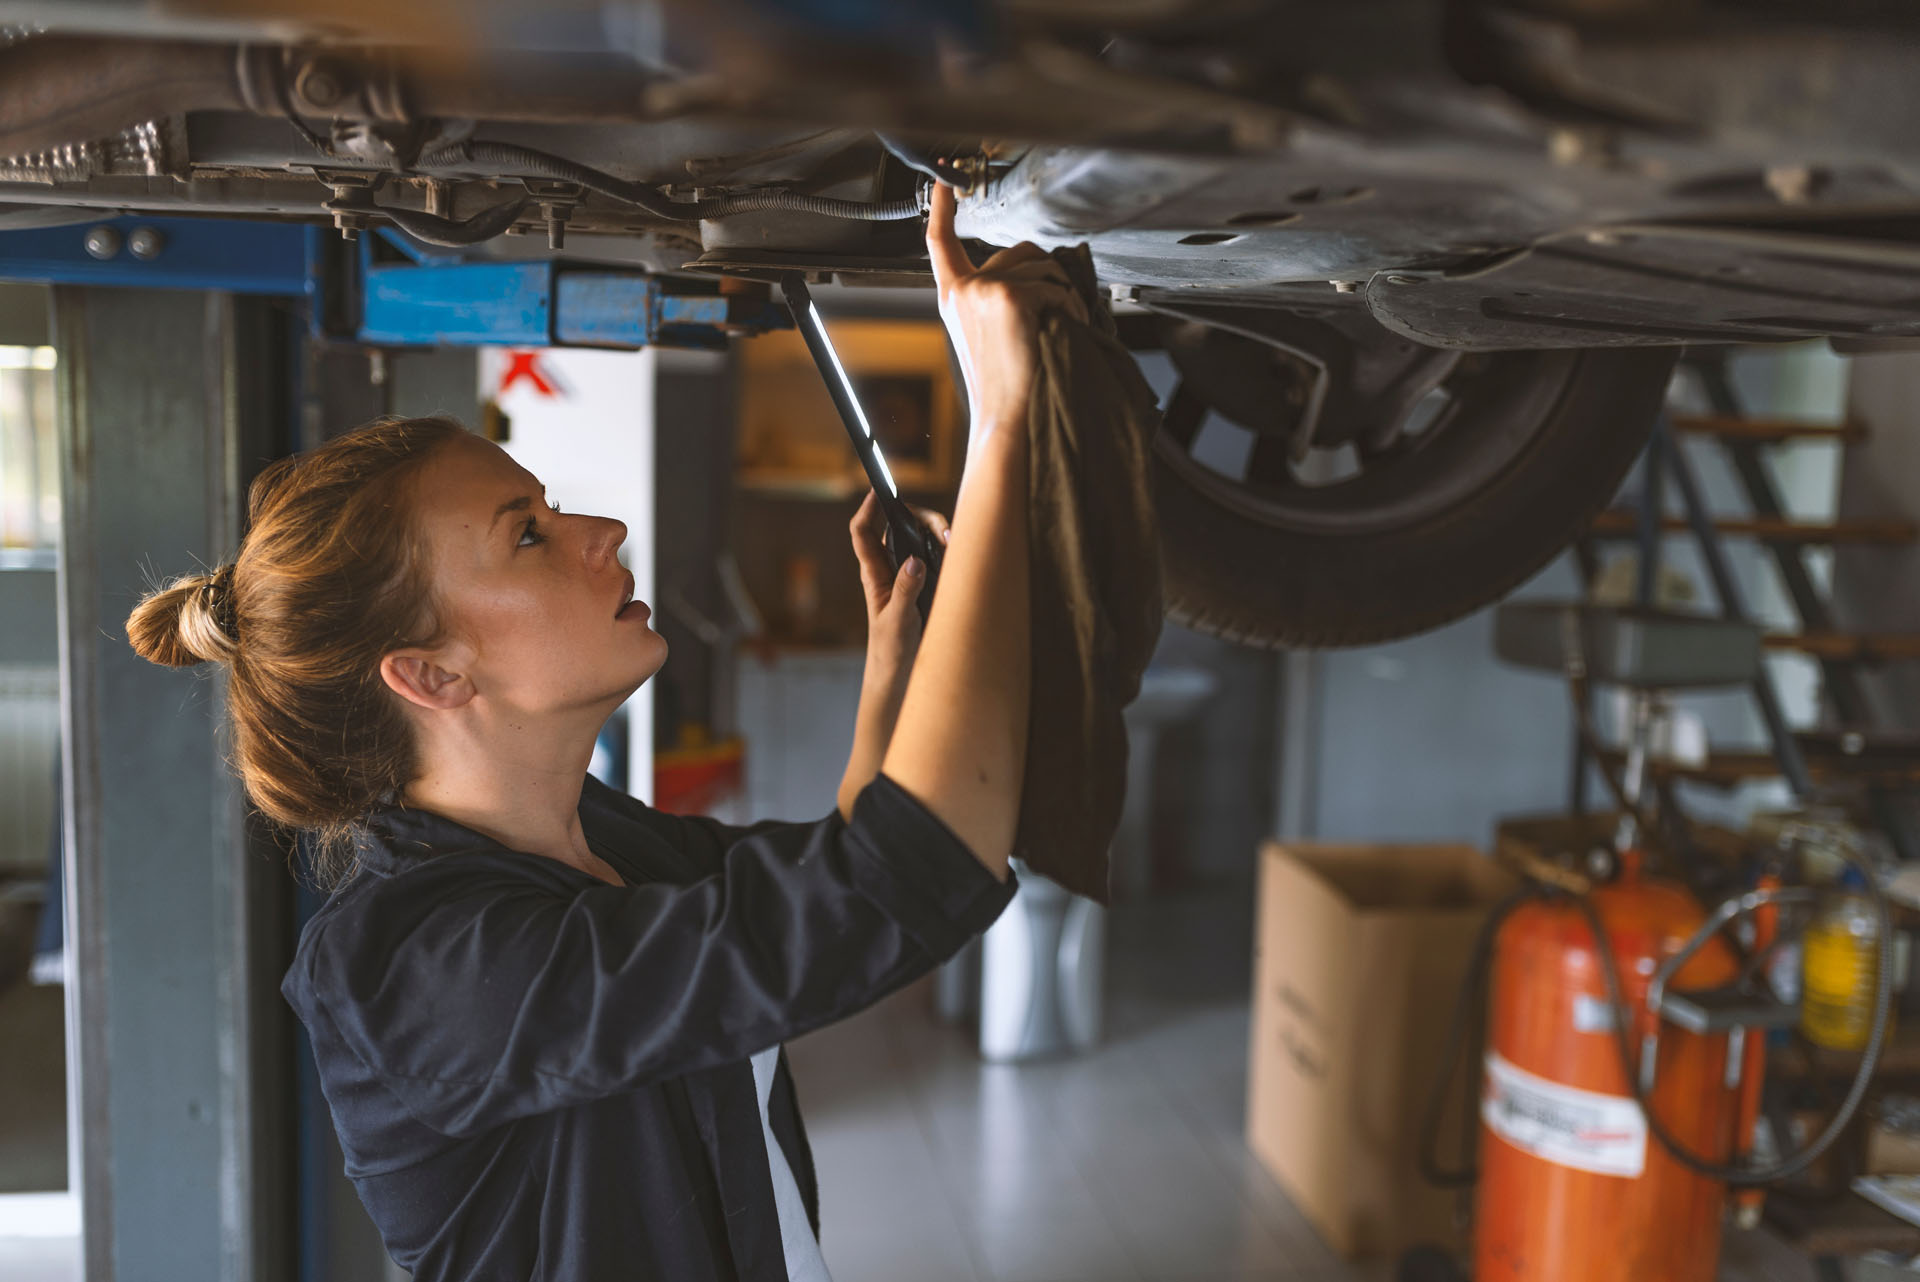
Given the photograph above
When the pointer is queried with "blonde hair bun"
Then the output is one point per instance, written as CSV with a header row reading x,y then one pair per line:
x,y
188,621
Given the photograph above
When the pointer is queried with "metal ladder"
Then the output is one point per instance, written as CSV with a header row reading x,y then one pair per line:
x,y
1842,751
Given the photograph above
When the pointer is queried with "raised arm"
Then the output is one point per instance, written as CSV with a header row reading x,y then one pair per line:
x,y
960,742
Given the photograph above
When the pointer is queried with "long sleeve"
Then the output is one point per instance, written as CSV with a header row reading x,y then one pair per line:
x,y
479,993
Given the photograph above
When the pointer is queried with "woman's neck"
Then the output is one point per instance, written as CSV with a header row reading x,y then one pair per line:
x,y
525,796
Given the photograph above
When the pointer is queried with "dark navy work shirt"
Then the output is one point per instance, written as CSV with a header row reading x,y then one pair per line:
x,y
539,1075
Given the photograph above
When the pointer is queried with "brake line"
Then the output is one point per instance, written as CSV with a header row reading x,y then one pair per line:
x,y
495,156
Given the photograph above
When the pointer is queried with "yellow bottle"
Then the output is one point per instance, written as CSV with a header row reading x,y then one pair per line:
x,y
1840,963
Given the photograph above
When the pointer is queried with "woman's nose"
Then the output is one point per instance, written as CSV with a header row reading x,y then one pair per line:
x,y
608,535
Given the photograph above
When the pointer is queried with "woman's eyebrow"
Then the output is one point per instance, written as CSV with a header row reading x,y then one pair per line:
x,y
522,504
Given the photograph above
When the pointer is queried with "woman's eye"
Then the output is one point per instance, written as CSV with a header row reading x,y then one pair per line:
x,y
530,535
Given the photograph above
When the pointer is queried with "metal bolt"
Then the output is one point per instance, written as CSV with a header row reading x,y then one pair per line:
x,y
319,85
102,242
1791,184
1123,293
557,216
1566,146
1853,743
1345,286
1601,864
145,243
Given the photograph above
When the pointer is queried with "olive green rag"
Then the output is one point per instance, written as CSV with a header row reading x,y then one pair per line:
x,y
1095,573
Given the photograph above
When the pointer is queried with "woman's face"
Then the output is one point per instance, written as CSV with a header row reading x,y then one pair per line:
x,y
532,602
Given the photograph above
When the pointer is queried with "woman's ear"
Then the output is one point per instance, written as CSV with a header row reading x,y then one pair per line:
x,y
417,677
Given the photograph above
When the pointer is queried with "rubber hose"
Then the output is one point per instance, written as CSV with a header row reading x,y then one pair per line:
x,y
506,155
435,230
1468,1012
1863,1076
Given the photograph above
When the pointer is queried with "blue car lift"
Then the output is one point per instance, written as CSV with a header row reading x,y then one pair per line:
x,y
384,290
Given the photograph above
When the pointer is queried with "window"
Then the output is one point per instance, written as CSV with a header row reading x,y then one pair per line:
x,y
29,456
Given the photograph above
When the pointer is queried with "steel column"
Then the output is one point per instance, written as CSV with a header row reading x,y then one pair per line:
x,y
168,921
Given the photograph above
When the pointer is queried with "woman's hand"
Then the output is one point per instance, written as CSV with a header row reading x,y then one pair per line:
x,y
992,314
893,638
893,615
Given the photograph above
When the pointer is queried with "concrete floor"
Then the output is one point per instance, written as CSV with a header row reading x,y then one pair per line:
x,y
1124,1165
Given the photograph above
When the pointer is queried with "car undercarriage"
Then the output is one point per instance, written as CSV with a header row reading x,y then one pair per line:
x,y
1433,259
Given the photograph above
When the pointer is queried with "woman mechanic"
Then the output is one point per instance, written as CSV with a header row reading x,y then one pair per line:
x,y
548,1018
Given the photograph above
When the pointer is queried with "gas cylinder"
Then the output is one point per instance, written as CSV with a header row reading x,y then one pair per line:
x,y
1573,1187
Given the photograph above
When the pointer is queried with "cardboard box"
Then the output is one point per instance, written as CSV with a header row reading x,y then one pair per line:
x,y
1359,958
1891,1152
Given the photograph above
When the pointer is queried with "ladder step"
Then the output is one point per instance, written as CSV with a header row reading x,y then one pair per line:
x,y
1876,762
1849,647
1768,430
1625,523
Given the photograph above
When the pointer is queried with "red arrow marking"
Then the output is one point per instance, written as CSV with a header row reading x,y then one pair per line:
x,y
527,365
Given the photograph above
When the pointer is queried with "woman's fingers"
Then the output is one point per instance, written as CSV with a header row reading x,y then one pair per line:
x,y
1014,256
868,528
937,525
944,250
908,580
1034,299
1042,268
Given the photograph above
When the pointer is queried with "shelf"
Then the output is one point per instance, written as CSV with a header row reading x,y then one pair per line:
x,y
1899,1059
1882,761
1850,1225
1849,647
1768,430
1624,523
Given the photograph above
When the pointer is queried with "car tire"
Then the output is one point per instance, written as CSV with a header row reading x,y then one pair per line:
x,y
1260,583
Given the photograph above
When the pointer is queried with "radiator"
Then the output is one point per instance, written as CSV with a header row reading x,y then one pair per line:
x,y
29,748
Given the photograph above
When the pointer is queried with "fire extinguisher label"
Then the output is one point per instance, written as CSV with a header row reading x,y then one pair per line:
x,y
1588,1131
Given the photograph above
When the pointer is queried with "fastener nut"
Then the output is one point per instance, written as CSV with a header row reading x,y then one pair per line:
x,y
145,243
319,84
102,242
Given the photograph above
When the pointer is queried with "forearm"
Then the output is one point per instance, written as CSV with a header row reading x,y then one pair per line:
x,y
960,746
882,689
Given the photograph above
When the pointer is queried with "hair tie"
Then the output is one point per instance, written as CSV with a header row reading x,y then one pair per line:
x,y
219,592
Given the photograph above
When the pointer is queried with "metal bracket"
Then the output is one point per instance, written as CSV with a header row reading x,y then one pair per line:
x,y
383,290
1711,1010
185,253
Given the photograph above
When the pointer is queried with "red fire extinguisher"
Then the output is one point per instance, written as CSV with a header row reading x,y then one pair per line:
x,y
1573,1188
